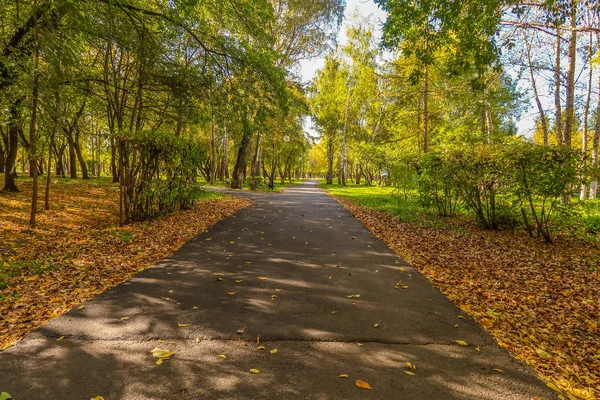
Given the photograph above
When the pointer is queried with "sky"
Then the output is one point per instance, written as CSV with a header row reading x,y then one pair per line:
x,y
366,8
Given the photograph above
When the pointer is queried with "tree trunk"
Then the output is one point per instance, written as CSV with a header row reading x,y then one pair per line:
x,y
343,152
33,156
426,110
226,155
213,155
586,113
596,142
557,88
570,106
13,145
329,178
72,158
239,170
538,102
82,163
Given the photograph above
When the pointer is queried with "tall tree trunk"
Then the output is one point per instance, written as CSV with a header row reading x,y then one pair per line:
x,y
13,146
2,151
557,88
570,103
213,154
33,156
329,178
82,163
239,170
344,134
586,113
538,102
72,158
113,161
426,109
225,155
596,142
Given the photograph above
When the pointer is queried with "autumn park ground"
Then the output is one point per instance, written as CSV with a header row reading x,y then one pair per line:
x,y
539,301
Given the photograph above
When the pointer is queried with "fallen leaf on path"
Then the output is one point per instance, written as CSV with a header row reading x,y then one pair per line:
x,y
124,318
161,353
159,361
222,356
81,307
343,376
239,280
409,372
93,398
194,308
183,325
376,326
6,396
462,342
498,370
60,338
363,384
261,347
274,351
241,330
254,371
411,366
262,278
231,293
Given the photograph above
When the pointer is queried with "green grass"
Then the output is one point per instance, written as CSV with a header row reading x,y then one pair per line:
x,y
385,198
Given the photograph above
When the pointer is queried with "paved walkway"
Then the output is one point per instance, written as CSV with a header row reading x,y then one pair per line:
x,y
313,254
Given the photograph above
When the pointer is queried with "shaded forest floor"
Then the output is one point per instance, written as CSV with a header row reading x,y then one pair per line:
x,y
78,250
540,302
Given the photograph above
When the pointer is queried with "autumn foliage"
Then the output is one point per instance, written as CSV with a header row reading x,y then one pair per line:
x,y
539,301
77,249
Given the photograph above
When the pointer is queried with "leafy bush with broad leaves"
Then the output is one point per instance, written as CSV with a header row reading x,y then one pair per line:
x,y
435,183
476,174
540,181
168,168
404,178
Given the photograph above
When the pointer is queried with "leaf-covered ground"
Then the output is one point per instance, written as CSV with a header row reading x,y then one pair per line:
x,y
77,249
540,302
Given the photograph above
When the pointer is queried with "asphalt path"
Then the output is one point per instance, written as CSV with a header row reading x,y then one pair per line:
x,y
294,271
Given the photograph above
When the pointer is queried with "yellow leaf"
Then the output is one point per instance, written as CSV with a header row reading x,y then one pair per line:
x,y
486,323
400,269
376,326
456,325
208,239
410,366
343,376
363,384
542,353
81,307
241,330
183,325
230,293
409,373
124,318
159,361
462,342
97,398
333,312
161,353
194,308
330,277
60,338
274,351
261,347
254,371
553,386
222,356
498,370
239,280
461,317
262,278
